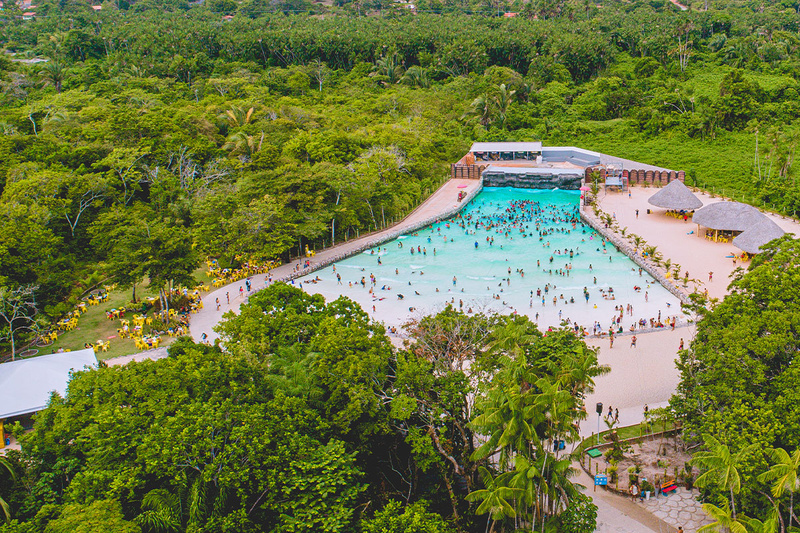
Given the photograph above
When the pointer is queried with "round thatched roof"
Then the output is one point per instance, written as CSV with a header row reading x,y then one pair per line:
x,y
755,237
675,196
731,216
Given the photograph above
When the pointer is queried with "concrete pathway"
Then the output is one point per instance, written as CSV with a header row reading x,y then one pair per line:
x,y
443,201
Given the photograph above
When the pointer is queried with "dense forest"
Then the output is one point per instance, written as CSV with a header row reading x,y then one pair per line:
x,y
321,125
311,421
142,138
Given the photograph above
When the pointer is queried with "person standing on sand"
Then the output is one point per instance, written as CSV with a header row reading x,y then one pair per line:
x,y
637,213
681,346
616,415
710,276
633,342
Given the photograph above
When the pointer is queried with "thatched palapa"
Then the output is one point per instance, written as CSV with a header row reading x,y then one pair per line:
x,y
675,196
728,216
757,236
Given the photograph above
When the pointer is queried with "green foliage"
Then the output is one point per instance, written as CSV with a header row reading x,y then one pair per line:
x,y
412,519
101,515
580,516
751,334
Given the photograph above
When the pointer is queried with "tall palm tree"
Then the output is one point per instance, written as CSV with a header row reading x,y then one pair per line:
x,y
527,480
722,467
724,520
482,109
771,524
53,73
390,66
238,116
503,101
504,419
3,504
494,497
512,337
416,76
577,372
785,475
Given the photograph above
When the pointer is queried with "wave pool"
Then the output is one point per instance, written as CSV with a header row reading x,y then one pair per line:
x,y
509,250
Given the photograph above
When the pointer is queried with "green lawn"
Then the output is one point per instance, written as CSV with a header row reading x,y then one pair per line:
x,y
93,325
626,432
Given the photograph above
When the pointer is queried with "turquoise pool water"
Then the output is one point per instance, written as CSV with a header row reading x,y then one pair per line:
x,y
510,250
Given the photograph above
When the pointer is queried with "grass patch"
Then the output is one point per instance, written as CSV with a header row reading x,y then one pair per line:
x,y
93,326
625,432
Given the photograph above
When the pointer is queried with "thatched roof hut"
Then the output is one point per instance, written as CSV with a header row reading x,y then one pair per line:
x,y
729,216
676,196
755,237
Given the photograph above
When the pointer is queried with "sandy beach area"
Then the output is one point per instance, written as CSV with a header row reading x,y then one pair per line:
x,y
678,240
646,375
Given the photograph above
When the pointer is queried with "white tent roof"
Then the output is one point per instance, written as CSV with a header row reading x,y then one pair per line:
x,y
25,385
506,147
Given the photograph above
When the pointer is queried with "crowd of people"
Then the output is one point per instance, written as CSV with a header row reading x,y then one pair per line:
x,y
556,245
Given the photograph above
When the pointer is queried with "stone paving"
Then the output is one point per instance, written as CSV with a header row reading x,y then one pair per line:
x,y
680,508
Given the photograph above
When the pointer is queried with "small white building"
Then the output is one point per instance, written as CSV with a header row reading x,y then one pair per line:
x,y
26,385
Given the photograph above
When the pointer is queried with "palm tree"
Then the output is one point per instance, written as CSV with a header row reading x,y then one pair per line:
x,y
237,116
528,481
482,109
390,66
494,497
578,372
3,504
186,509
416,76
785,475
53,73
771,524
503,101
512,337
724,520
504,419
722,467
637,241
242,144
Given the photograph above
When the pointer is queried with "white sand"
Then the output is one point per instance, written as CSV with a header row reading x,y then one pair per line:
x,y
695,254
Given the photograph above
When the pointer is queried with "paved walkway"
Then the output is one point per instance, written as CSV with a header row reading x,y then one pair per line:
x,y
152,355
680,508
616,514
440,203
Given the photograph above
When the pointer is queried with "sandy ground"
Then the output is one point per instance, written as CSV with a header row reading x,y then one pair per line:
x,y
696,255
644,375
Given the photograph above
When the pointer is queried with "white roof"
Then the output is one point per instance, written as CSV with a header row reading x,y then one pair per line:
x,y
26,385
506,147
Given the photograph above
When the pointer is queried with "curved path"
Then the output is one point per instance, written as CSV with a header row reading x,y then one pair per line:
x,y
440,203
